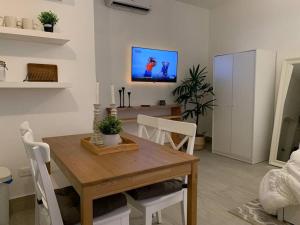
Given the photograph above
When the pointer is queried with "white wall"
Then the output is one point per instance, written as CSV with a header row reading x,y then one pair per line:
x,y
170,25
241,25
50,112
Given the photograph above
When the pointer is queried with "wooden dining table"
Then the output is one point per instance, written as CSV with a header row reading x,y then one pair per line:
x,y
95,176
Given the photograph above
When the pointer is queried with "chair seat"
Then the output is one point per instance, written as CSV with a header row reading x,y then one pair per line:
x,y
155,190
69,205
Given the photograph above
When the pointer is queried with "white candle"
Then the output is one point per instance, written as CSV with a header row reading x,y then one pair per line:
x,y
97,93
112,88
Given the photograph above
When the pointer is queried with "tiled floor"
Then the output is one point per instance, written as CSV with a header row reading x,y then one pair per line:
x,y
223,184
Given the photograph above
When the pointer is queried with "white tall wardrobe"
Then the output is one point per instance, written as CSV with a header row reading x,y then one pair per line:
x,y
244,85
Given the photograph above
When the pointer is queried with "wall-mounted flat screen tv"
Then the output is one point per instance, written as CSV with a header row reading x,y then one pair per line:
x,y
154,65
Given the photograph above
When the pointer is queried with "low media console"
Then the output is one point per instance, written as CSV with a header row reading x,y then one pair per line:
x,y
129,114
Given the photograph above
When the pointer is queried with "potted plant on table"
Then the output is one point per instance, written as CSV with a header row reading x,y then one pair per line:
x,y
196,95
110,128
48,19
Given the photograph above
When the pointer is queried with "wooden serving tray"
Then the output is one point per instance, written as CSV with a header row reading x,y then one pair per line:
x,y
125,146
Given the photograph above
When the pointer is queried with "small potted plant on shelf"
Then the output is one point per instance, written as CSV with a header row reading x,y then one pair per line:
x,y
196,95
48,19
110,127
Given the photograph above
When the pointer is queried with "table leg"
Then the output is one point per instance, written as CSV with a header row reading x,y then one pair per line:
x,y
86,207
192,195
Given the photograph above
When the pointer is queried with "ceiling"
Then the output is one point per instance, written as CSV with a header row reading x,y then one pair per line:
x,y
208,4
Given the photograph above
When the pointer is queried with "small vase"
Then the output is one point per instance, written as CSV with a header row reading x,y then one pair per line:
x,y
49,28
113,139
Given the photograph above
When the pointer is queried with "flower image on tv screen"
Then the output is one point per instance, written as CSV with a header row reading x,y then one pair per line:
x,y
153,65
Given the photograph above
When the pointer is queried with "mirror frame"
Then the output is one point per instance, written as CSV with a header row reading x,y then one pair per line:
x,y
285,78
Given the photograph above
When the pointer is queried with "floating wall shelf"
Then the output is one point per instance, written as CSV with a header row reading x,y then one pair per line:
x,y
33,36
35,85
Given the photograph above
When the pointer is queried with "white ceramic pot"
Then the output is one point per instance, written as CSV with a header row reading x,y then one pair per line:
x,y
19,23
113,139
10,21
1,21
2,70
37,25
27,23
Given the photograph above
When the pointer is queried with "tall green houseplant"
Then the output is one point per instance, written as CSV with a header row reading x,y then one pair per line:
x,y
195,94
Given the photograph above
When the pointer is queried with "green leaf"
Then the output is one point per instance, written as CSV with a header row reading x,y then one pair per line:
x,y
194,93
48,17
110,125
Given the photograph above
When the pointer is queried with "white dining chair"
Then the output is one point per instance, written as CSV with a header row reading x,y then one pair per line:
x,y
161,133
148,128
62,206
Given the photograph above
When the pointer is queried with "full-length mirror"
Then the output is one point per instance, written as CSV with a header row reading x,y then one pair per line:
x,y
286,133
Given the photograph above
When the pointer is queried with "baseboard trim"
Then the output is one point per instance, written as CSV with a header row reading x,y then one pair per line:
x,y
231,156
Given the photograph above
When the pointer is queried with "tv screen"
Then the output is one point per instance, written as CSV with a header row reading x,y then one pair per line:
x,y
153,65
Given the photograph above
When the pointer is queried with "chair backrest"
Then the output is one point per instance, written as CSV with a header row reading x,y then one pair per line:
x,y
163,128
146,122
39,154
187,130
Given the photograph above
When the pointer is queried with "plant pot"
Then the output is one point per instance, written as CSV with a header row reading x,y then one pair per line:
x,y
199,143
49,28
113,139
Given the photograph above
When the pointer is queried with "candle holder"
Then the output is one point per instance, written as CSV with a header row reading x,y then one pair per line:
x,y
113,110
97,138
123,93
120,95
129,94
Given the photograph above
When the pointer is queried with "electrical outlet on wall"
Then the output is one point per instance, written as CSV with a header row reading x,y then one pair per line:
x,y
24,172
